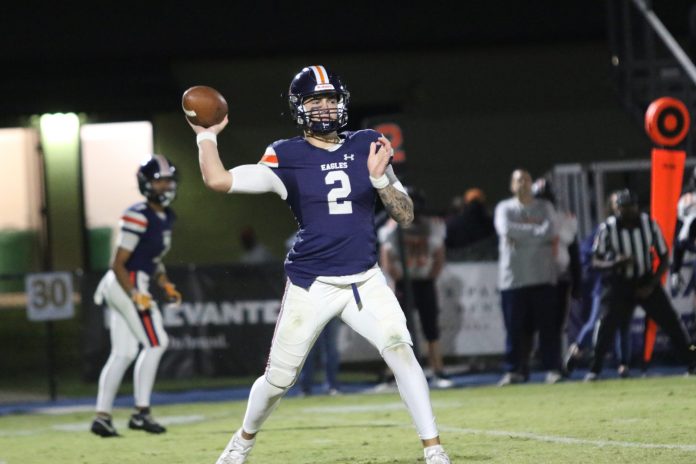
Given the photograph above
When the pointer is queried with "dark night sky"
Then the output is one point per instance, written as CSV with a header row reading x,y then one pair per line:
x,y
61,52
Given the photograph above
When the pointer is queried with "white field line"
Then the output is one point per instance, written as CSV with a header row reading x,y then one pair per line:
x,y
568,440
498,433
395,406
83,427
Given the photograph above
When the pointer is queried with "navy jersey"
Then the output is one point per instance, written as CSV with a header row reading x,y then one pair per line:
x,y
154,231
333,201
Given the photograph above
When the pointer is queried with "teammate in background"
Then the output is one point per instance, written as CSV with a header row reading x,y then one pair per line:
x,y
144,238
330,181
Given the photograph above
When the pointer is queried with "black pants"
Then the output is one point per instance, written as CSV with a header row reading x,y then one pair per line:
x,y
619,300
425,300
527,310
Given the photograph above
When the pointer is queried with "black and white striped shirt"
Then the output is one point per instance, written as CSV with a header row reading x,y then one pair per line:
x,y
614,239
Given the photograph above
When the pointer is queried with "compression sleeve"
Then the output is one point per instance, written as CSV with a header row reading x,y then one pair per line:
x,y
393,180
256,178
127,240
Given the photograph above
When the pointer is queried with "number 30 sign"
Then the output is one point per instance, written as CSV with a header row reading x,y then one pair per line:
x,y
49,296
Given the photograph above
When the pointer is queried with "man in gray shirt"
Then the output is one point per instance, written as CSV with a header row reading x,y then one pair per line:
x,y
527,274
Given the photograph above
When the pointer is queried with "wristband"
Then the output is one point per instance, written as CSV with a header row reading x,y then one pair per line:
x,y
206,136
380,182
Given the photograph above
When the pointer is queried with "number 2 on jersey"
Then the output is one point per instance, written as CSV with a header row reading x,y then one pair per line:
x,y
339,194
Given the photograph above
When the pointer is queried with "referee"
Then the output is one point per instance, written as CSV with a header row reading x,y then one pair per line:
x,y
623,251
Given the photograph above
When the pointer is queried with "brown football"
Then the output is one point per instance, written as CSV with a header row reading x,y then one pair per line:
x,y
204,106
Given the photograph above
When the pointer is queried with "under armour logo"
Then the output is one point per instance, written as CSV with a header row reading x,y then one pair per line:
x,y
348,157
692,348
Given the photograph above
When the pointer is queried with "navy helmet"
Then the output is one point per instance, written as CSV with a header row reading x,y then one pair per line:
x,y
313,81
153,168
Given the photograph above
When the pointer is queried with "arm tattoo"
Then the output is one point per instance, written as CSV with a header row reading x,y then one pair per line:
x,y
398,205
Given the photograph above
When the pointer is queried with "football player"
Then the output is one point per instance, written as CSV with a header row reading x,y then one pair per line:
x,y
330,180
685,239
144,238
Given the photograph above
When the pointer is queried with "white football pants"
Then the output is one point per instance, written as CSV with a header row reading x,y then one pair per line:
x,y
129,329
370,308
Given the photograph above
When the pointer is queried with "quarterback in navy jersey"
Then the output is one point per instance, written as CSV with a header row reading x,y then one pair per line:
x,y
144,238
333,200
330,180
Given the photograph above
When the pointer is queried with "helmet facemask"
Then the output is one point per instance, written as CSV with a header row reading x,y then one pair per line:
x,y
164,198
155,168
315,120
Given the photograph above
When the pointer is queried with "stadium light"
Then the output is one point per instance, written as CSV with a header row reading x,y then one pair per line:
x,y
59,128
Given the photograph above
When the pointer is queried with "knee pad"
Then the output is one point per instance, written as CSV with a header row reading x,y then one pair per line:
x,y
400,346
282,378
273,390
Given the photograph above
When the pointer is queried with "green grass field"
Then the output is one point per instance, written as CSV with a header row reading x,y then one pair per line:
x,y
648,420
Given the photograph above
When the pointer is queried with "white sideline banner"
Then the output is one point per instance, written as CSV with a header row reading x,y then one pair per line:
x,y
471,318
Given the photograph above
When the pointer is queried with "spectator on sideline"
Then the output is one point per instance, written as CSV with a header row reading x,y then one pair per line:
x,y
254,251
472,223
423,242
527,276
685,236
567,256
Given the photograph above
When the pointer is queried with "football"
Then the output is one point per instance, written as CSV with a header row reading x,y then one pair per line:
x,y
204,106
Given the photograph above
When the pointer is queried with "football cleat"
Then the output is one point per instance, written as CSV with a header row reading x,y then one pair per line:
x,y
103,427
440,381
591,377
511,378
145,422
436,455
553,377
624,371
237,449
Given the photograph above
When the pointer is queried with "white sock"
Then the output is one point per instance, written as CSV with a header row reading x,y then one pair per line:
x,y
263,399
144,374
413,388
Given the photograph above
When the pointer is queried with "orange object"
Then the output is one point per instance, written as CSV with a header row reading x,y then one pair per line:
x,y
393,132
474,194
667,121
666,184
